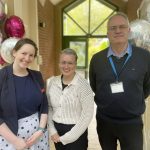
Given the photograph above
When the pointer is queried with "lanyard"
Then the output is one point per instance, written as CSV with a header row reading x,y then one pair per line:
x,y
114,68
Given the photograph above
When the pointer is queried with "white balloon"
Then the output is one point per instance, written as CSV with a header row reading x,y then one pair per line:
x,y
140,33
144,10
7,47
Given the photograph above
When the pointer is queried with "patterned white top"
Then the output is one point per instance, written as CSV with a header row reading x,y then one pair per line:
x,y
73,105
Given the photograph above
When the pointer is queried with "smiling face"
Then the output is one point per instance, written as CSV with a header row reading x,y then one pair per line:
x,y
67,64
24,56
118,30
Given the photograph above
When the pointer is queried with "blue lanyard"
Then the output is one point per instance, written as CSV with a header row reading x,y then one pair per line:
x,y
114,68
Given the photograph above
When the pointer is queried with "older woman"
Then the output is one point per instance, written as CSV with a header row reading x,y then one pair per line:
x,y
71,105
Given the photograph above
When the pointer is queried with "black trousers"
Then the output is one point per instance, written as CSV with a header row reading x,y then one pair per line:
x,y
80,144
130,135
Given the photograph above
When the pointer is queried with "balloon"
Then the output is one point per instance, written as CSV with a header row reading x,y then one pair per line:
x,y
7,47
140,33
2,61
14,27
144,10
2,12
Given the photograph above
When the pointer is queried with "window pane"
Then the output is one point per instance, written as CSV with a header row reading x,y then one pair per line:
x,y
81,14
102,30
87,17
80,48
96,45
70,28
99,12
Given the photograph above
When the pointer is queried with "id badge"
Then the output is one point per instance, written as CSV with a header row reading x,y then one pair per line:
x,y
117,87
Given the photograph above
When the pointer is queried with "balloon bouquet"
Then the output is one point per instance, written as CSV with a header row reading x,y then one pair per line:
x,y
13,29
140,28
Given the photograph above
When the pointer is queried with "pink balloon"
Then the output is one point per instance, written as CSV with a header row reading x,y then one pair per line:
x,y
14,27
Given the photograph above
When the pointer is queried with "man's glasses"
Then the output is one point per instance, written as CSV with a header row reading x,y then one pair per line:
x,y
115,28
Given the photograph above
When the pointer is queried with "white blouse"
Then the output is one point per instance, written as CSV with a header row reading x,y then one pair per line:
x,y
73,105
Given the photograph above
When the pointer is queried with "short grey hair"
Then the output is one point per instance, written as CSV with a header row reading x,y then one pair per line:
x,y
119,14
69,51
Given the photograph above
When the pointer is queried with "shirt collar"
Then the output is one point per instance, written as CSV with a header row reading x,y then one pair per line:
x,y
127,51
73,82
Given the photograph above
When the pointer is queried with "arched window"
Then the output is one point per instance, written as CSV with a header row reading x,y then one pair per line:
x,y
84,21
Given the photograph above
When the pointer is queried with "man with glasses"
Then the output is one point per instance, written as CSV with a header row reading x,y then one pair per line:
x,y
120,79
